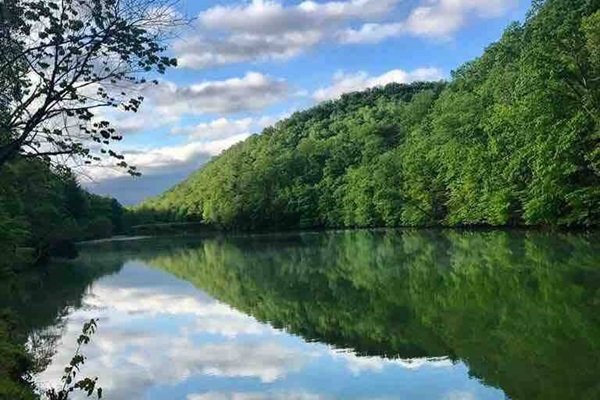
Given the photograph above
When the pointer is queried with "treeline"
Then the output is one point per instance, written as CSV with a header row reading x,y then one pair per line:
x,y
512,139
43,211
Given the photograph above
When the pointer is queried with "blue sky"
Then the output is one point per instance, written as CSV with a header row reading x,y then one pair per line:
x,y
243,65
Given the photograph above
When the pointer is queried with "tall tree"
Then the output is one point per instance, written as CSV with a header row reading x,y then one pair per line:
x,y
62,60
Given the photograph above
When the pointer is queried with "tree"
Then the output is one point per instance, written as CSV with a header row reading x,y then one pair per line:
x,y
61,61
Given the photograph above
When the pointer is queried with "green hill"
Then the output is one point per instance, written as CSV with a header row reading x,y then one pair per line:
x,y
512,139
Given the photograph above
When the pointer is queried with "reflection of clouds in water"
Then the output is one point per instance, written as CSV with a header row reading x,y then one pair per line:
x,y
264,360
209,315
131,353
359,364
157,331
256,396
154,293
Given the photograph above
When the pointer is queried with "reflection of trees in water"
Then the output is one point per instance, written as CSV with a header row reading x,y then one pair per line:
x,y
41,298
42,344
521,309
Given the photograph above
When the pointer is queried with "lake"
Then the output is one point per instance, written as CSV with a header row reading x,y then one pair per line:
x,y
411,314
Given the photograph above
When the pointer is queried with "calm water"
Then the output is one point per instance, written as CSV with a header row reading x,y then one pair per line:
x,y
346,315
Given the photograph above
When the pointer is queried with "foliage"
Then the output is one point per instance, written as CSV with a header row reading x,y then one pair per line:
x,y
512,139
15,363
87,385
37,299
61,61
47,210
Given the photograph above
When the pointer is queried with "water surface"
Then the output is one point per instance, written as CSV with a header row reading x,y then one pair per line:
x,y
337,315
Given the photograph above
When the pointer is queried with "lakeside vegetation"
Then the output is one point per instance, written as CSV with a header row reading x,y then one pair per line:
x,y
60,62
512,139
47,211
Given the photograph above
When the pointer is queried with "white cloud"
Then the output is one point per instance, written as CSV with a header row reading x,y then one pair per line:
x,y
163,160
166,103
202,52
345,83
263,30
371,33
224,128
271,17
434,18
217,129
253,92
256,396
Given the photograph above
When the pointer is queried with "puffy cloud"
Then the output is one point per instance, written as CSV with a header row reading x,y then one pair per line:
x,y
203,52
161,168
271,17
269,30
445,17
252,92
219,128
263,30
435,18
345,83
156,160
164,104
371,33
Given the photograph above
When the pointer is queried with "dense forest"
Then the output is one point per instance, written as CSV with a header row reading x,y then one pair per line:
x,y
512,139
43,211
58,68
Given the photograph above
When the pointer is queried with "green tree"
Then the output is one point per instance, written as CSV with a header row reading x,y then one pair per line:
x,y
66,59
512,139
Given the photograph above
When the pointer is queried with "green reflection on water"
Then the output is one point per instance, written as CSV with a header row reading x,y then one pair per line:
x,y
521,309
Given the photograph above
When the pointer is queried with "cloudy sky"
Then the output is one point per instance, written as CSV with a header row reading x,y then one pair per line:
x,y
243,65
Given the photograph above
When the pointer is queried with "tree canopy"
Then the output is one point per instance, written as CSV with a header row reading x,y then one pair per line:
x,y
43,212
512,139
63,61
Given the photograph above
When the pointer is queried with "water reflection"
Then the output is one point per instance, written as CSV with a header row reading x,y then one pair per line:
x,y
382,315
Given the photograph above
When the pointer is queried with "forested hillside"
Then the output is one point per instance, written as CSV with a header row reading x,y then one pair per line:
x,y
512,139
46,210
